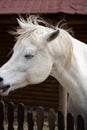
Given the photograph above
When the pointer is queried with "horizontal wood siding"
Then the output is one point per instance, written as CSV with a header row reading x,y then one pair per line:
x,y
45,94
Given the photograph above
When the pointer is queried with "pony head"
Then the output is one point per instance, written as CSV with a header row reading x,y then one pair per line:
x,y
32,61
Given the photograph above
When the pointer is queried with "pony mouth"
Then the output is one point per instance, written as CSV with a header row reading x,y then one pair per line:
x,y
4,89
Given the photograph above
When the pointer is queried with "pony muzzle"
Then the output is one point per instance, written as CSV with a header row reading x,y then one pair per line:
x,y
4,88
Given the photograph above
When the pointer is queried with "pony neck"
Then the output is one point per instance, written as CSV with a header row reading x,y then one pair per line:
x,y
71,81
71,77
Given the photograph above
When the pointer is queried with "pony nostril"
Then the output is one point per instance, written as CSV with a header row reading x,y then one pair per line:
x,y
1,79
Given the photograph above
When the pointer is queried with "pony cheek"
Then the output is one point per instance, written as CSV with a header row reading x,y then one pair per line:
x,y
39,75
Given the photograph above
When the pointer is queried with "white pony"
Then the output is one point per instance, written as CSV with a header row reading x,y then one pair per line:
x,y
41,51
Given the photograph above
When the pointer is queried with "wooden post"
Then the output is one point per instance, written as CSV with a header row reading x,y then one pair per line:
x,y
2,114
62,100
20,116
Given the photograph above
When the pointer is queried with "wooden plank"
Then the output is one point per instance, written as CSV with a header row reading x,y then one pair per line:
x,y
40,118
2,114
61,123
70,122
52,119
10,115
30,121
80,123
20,116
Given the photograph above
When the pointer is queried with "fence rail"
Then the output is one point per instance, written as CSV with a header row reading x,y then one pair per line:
x,y
54,119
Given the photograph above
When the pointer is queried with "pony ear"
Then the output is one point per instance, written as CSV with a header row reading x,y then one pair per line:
x,y
52,35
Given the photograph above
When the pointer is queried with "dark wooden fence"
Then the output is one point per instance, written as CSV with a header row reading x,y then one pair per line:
x,y
55,119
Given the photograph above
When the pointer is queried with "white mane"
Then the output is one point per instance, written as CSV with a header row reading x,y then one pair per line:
x,y
33,22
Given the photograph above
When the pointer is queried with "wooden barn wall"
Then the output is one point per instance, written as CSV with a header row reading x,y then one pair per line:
x,y
46,93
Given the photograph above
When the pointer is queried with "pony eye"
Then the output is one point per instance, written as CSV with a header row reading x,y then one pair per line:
x,y
29,56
